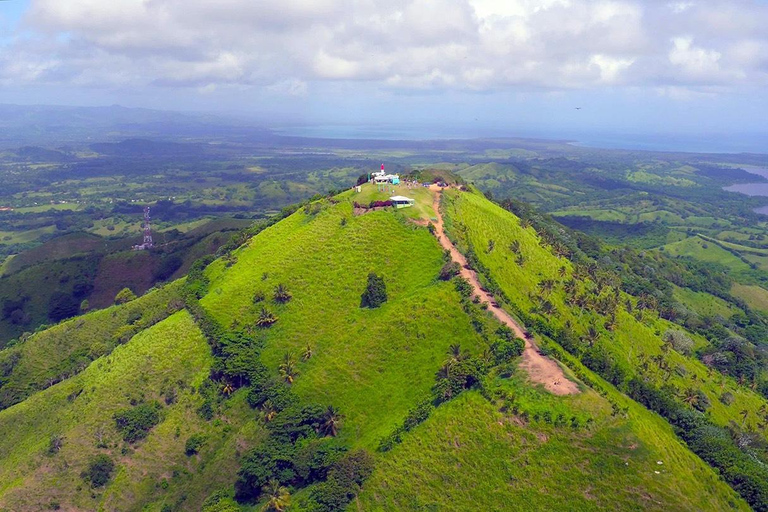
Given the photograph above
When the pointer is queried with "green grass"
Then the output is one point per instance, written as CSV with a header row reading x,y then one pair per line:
x,y
755,296
475,220
363,358
703,303
170,353
700,249
373,366
65,349
471,456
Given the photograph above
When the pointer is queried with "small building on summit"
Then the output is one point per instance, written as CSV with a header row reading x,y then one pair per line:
x,y
402,201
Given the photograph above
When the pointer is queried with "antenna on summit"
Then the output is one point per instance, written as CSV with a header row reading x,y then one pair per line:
x,y
148,244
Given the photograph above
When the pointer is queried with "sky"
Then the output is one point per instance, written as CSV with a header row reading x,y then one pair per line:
x,y
520,67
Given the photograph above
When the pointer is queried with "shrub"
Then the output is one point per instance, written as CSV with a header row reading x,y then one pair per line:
x,y
136,422
99,470
124,295
194,443
727,398
449,271
220,501
504,350
463,287
679,341
55,443
375,293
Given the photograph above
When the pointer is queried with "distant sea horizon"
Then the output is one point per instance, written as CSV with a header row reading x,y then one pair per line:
x,y
693,143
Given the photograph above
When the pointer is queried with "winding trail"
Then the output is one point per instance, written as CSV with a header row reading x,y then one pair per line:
x,y
541,369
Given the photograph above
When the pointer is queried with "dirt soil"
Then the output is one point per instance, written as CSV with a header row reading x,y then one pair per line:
x,y
541,369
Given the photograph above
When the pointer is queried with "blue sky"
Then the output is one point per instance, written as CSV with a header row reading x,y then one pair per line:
x,y
466,66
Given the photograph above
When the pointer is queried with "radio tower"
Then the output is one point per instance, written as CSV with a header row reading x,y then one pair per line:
x,y
148,244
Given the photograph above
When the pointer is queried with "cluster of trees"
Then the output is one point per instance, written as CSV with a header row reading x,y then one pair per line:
x,y
135,422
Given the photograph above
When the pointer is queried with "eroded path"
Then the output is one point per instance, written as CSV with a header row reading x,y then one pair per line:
x,y
541,369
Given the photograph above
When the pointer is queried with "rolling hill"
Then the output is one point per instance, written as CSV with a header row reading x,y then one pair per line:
x,y
279,373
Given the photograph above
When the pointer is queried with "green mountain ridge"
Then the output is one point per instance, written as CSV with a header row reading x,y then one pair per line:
x,y
503,443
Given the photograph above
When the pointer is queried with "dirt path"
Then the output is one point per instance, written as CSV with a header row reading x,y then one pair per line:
x,y
541,369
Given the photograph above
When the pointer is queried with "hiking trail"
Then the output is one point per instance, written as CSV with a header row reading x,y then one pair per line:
x,y
541,369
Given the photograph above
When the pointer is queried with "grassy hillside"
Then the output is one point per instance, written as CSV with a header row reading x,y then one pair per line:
x,y
503,442
470,455
62,351
624,345
80,410
363,358
632,342
48,283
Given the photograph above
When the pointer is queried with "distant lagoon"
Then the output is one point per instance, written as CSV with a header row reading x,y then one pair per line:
x,y
753,189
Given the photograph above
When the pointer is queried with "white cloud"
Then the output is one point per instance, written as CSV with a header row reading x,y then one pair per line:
x,y
421,44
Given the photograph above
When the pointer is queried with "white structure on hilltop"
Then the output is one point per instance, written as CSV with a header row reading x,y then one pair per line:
x,y
382,177
402,201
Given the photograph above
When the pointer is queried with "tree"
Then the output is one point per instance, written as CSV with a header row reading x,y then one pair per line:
x,y
85,306
331,421
194,443
220,501
515,246
136,422
307,355
266,318
278,497
124,295
562,271
287,369
99,470
375,293
744,415
679,341
281,294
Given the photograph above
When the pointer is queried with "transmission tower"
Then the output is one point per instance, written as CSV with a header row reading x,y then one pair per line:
x,y
148,244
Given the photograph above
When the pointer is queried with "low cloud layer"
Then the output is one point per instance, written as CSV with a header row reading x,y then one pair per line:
x,y
477,45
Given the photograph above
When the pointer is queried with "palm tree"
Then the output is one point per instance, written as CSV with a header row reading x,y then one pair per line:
x,y
287,369
268,411
547,308
282,295
520,260
744,414
455,352
691,397
266,318
228,388
278,497
515,246
331,421
591,335
546,286
307,353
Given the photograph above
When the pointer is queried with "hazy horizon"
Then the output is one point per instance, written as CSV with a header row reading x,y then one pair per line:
x,y
585,70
